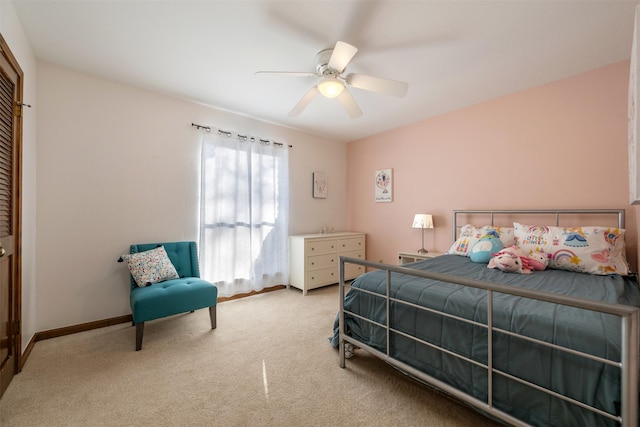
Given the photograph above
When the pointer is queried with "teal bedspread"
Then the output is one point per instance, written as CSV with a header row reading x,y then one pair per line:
x,y
588,381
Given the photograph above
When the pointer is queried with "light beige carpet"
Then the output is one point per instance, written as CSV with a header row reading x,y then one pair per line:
x,y
267,364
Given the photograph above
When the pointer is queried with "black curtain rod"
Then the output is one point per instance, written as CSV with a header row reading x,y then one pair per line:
x,y
242,137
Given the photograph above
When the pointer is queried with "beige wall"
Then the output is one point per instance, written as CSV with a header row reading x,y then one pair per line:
x,y
562,145
119,165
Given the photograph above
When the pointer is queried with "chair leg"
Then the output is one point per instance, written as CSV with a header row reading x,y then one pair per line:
x,y
139,333
212,315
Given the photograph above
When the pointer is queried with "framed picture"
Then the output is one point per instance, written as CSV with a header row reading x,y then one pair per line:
x,y
319,185
384,185
633,120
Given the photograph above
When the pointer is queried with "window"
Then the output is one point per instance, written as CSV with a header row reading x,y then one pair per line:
x,y
244,214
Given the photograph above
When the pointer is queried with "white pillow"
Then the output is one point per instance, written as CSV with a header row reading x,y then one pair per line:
x,y
469,235
593,250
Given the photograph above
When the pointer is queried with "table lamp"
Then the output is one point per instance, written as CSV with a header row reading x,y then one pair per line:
x,y
422,221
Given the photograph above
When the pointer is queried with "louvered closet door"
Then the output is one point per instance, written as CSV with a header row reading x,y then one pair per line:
x,y
10,80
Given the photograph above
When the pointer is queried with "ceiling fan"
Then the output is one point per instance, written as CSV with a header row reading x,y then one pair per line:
x,y
330,66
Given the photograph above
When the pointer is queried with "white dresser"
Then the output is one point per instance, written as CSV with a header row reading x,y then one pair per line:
x,y
314,258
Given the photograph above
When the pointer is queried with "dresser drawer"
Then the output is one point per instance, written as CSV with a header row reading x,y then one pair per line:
x,y
321,277
351,271
351,244
353,254
320,247
321,261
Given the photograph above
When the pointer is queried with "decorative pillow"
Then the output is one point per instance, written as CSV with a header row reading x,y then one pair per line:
x,y
151,266
469,235
485,248
593,250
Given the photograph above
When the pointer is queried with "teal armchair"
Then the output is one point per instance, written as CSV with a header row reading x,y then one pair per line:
x,y
185,294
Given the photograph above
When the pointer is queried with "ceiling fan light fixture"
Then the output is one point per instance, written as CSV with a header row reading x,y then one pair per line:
x,y
330,87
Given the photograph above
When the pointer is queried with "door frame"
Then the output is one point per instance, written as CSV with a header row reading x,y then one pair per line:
x,y
16,297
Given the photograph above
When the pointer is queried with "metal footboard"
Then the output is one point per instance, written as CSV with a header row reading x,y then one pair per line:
x,y
628,363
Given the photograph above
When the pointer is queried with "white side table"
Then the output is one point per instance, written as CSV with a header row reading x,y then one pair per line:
x,y
407,257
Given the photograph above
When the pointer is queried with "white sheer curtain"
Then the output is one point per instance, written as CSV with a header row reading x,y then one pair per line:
x,y
244,213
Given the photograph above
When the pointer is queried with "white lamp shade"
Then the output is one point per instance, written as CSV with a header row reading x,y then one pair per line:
x,y
330,87
423,221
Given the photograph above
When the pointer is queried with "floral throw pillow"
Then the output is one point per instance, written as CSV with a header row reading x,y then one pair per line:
x,y
469,235
592,250
150,267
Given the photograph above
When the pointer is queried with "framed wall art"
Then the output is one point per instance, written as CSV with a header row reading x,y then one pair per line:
x,y
319,185
384,185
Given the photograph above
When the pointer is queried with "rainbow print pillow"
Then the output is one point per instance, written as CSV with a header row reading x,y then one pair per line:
x,y
592,250
469,235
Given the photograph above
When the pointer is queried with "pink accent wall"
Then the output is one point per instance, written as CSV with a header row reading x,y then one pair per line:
x,y
561,145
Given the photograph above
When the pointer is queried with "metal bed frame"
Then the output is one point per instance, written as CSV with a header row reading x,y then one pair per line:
x,y
629,317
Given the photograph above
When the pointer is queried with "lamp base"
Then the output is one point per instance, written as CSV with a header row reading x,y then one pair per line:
x,y
422,251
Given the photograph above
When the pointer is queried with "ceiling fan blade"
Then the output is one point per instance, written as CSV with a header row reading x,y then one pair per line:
x,y
302,104
342,54
289,73
349,104
377,84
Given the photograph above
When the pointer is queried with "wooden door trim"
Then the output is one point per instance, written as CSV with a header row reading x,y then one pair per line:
x,y
17,286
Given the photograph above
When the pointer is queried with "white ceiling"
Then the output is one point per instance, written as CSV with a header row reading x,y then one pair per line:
x,y
452,53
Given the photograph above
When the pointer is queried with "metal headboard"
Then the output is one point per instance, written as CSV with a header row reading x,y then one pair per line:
x,y
556,212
